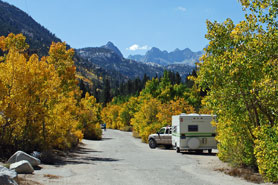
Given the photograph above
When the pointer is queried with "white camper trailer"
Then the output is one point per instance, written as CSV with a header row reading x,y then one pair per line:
x,y
193,132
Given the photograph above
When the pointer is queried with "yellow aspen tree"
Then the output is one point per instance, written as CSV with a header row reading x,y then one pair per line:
x,y
90,117
174,107
39,99
145,120
240,70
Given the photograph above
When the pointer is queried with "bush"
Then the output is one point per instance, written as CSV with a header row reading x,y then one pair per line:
x,y
235,141
93,132
266,151
145,121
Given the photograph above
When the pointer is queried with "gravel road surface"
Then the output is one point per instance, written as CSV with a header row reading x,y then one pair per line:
x,y
120,159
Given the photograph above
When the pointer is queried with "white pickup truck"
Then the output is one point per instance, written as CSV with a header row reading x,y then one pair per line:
x,y
162,137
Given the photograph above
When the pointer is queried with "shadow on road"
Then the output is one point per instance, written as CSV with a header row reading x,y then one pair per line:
x,y
82,150
85,160
105,138
198,153
99,159
82,155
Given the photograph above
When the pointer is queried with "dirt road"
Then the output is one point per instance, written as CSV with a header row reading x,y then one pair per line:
x,y
120,159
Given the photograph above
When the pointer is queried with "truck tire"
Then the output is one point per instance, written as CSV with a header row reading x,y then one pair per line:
x,y
178,150
199,151
152,144
168,146
209,151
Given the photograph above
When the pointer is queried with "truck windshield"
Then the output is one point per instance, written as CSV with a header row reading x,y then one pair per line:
x,y
161,131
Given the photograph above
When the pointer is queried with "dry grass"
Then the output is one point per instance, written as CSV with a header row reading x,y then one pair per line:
x,y
135,134
6,165
24,181
126,128
247,174
51,176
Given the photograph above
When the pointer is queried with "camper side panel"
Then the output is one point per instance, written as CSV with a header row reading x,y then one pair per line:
x,y
199,128
175,130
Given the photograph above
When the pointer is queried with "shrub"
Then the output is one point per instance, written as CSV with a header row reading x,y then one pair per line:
x,y
93,132
266,151
235,141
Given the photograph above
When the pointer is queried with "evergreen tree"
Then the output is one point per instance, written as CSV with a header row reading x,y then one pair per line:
x,y
177,78
106,94
83,88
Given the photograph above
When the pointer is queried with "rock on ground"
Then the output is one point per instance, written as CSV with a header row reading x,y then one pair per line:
x,y
5,180
7,176
19,156
22,167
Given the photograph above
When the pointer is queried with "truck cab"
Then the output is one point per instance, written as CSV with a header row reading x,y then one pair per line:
x,y
162,137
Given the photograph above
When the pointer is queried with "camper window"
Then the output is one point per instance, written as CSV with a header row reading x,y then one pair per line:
x,y
192,128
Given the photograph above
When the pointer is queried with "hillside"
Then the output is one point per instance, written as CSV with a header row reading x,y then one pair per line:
x,y
15,20
39,38
93,64
111,61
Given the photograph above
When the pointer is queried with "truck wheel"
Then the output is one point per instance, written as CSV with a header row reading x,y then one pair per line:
x,y
168,146
178,150
152,143
209,151
199,151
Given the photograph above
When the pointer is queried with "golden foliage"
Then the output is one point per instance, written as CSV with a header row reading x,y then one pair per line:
x,y
145,120
39,99
109,115
90,117
240,70
174,107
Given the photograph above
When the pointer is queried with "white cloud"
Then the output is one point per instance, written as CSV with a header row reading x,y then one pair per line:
x,y
135,47
145,47
180,8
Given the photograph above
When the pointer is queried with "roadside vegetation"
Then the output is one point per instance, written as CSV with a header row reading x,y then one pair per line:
x,y
40,102
152,108
240,69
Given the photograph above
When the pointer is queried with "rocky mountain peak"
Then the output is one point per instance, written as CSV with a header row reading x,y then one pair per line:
x,y
178,56
112,47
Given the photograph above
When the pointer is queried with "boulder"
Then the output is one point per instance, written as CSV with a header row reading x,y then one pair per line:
x,y
11,173
7,176
36,154
22,167
19,156
4,179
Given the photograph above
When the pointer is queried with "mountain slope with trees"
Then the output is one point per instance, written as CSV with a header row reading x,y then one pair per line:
x,y
110,60
105,62
14,20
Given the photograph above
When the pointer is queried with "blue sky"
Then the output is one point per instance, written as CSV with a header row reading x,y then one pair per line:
x,y
132,25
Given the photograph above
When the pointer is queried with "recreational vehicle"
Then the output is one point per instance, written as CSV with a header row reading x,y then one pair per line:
x,y
193,132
